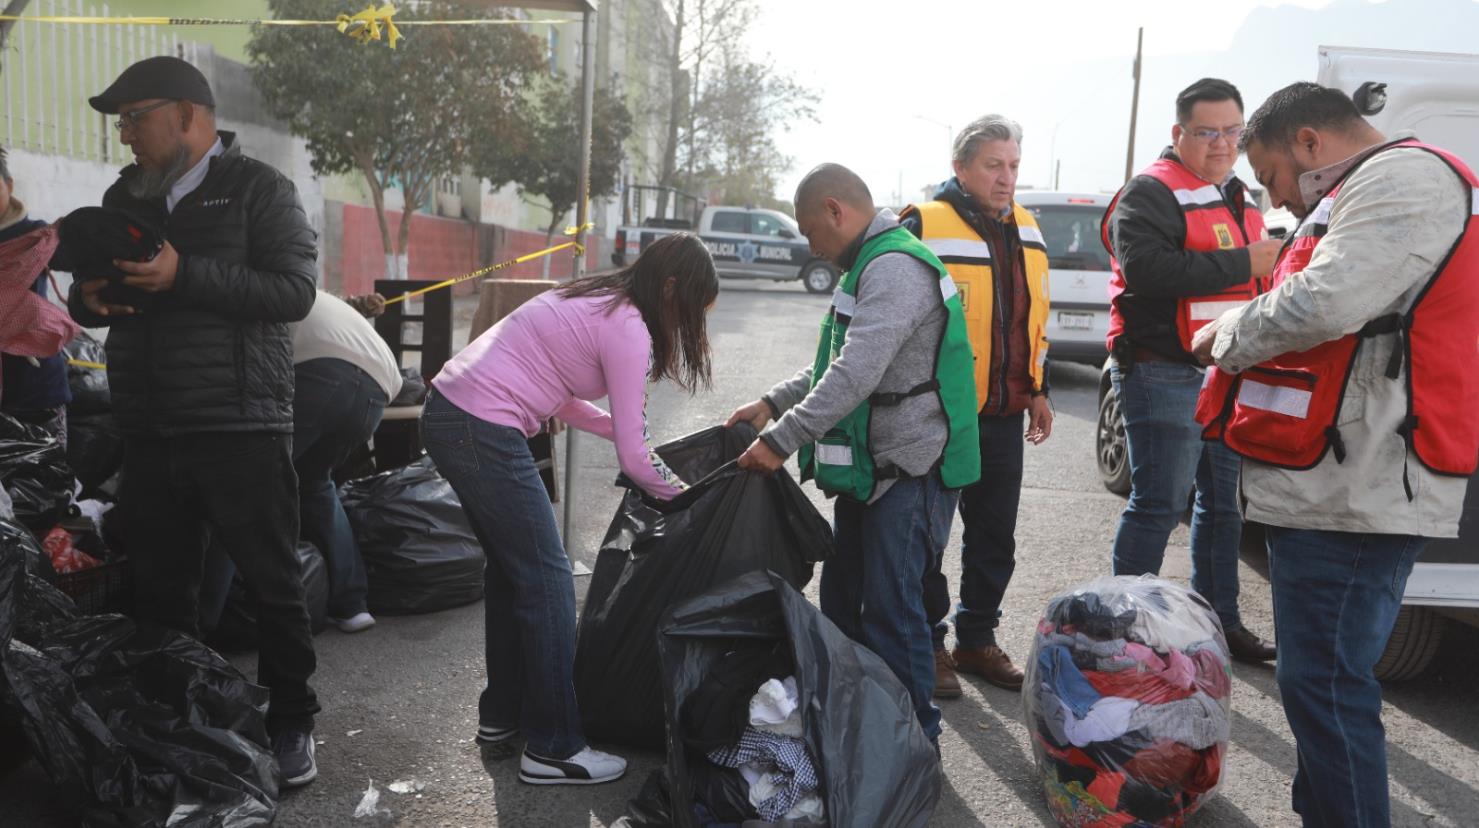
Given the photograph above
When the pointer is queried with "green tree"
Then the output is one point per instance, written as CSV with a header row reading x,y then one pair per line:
x,y
547,166
404,117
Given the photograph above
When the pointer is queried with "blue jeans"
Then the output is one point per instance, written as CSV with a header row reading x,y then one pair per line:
x,y
871,586
529,588
1336,596
988,514
336,406
1167,459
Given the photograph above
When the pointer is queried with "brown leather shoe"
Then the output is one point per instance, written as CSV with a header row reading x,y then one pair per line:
x,y
947,686
989,663
1245,646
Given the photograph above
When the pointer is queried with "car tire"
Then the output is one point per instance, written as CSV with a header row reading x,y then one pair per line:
x,y
818,276
1111,448
1414,643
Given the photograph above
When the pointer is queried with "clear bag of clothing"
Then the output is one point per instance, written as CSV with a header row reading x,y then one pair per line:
x,y
1127,702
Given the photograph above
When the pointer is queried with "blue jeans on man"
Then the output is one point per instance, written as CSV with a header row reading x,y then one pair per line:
x,y
871,585
529,587
336,407
1168,458
1336,597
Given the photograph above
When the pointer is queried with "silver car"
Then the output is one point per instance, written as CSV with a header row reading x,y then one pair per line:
x,y
1078,275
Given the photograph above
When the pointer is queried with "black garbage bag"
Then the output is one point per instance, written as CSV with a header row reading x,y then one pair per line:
x,y
655,554
34,471
875,764
94,451
88,382
140,726
236,629
419,550
413,388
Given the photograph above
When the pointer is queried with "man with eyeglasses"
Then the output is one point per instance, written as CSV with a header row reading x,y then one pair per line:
x,y
202,376
1186,243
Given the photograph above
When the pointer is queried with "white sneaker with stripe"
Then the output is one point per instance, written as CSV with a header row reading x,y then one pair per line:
x,y
588,767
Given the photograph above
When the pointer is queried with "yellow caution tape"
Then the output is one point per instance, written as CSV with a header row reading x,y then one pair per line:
x,y
455,280
365,26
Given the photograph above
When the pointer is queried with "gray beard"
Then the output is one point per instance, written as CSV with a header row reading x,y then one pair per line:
x,y
150,183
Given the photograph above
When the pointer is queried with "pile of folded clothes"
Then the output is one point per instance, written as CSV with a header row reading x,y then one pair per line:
x,y
1127,701
743,730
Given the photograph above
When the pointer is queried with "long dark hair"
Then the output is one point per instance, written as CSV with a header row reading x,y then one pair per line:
x,y
676,320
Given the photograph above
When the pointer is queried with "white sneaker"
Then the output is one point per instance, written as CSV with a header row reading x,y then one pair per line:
x,y
588,767
356,623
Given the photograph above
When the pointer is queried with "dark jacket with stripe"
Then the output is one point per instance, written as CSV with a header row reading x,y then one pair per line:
x,y
1148,232
214,354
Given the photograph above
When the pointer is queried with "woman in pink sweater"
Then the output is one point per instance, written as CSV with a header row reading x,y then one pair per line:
x,y
602,336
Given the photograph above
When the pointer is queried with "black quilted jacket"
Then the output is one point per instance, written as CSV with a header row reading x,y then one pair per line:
x,y
214,353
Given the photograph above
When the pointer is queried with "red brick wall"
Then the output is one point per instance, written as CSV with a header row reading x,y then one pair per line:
x,y
440,248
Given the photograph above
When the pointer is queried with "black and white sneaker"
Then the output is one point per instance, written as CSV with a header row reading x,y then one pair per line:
x,y
588,767
294,752
497,742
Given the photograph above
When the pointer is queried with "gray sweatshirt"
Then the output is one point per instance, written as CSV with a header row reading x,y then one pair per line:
x,y
891,346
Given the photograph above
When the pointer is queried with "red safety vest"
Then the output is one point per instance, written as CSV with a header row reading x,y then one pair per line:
x,y
1283,412
1210,225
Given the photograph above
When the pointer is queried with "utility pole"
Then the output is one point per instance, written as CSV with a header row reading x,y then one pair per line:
x,y
1057,174
1134,106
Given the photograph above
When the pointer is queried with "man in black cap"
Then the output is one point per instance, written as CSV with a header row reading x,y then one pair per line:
x,y
202,376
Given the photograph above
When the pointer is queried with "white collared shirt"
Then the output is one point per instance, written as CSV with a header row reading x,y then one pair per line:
x,y
192,179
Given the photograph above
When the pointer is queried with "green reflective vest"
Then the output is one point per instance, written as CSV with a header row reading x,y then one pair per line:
x,y
841,462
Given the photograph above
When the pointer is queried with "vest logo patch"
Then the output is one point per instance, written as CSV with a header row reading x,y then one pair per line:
x,y
1224,236
965,296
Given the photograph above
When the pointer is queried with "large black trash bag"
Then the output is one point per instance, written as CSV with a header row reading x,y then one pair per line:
x,y
419,550
875,764
141,726
237,627
34,470
89,383
94,451
655,554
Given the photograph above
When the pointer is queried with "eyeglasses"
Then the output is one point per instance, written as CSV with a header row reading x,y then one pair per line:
x,y
1208,136
131,119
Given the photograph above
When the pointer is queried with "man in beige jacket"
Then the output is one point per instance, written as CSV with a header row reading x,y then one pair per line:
x,y
1343,535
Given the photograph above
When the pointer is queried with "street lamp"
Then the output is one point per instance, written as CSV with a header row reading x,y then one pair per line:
x,y
949,130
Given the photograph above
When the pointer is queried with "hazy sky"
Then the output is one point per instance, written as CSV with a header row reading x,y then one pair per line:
x,y
897,79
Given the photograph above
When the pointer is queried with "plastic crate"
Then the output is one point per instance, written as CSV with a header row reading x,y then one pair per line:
x,y
102,589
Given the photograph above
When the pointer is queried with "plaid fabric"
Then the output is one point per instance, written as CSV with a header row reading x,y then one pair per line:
x,y
786,758
29,325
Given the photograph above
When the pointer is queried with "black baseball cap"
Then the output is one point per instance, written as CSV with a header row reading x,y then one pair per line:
x,y
155,77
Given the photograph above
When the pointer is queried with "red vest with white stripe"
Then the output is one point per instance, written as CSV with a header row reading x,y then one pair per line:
x,y
1210,225
1283,412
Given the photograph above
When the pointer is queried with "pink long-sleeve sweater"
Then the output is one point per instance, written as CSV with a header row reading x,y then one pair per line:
x,y
552,357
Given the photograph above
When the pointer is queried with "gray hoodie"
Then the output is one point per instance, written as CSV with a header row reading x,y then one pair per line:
x,y
891,347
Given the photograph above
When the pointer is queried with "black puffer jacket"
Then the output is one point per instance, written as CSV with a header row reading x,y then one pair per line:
x,y
214,354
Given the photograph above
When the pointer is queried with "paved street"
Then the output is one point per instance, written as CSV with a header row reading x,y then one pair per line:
x,y
407,689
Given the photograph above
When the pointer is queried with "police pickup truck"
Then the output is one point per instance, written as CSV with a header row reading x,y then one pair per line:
x,y
746,243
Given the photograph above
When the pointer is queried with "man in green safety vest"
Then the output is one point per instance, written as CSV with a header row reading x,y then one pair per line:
x,y
884,419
